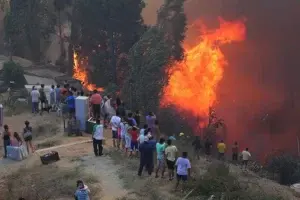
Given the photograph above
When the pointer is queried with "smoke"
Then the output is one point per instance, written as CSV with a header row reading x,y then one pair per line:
x,y
259,96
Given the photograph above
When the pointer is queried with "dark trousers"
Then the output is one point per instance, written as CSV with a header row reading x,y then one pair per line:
x,y
97,144
145,163
96,111
6,143
35,107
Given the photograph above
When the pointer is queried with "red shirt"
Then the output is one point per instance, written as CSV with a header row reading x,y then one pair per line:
x,y
96,99
134,135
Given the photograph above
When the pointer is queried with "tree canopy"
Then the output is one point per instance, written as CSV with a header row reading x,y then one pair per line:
x,y
26,24
148,59
104,30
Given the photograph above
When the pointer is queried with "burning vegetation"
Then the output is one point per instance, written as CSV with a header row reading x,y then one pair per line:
x,y
193,82
80,73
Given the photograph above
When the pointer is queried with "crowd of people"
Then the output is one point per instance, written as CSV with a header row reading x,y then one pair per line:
x,y
145,142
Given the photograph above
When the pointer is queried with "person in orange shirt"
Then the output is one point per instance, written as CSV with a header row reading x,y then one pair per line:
x,y
96,100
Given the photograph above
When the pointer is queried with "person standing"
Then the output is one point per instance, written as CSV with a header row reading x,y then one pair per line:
x,y
171,154
245,158
98,138
156,131
123,128
6,139
57,96
150,119
183,169
197,147
27,135
35,98
52,97
160,151
134,141
143,136
146,158
221,150
115,124
71,104
96,100
131,119
208,147
121,107
43,97
235,152
137,117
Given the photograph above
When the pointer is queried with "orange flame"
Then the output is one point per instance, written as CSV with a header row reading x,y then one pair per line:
x,y
193,82
80,73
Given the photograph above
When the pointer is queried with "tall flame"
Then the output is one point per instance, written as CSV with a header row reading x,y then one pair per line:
x,y
193,82
80,73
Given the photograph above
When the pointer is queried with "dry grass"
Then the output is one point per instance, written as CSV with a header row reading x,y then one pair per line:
x,y
48,143
46,128
46,183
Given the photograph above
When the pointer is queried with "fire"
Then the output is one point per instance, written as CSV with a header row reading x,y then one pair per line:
x,y
193,82
80,73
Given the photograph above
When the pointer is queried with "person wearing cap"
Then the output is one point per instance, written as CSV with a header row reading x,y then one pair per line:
x,y
27,135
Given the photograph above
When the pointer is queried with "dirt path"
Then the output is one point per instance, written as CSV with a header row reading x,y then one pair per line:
x,y
106,171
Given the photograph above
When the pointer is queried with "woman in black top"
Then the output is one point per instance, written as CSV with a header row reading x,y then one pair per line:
x,y
27,135
6,139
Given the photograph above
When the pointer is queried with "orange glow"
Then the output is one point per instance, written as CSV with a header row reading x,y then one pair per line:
x,y
80,73
193,82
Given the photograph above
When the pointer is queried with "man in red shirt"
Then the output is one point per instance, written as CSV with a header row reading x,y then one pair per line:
x,y
96,100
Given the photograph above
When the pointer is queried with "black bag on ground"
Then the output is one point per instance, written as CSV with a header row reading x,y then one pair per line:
x,y
50,158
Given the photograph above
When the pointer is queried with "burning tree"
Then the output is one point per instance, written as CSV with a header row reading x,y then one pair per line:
x,y
104,30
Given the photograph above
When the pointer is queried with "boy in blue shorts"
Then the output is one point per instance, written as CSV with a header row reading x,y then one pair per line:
x,y
183,169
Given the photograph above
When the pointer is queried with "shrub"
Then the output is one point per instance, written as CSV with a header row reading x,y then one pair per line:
x,y
287,166
219,182
13,72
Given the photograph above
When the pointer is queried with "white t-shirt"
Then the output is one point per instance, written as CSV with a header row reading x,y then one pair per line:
x,y
246,155
170,152
115,123
183,164
142,138
35,95
123,129
98,132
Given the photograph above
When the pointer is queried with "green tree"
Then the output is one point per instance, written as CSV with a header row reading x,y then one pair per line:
x,y
28,23
106,30
148,59
13,72
60,6
172,20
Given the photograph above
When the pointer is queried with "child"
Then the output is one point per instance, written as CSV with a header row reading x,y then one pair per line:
x,y
82,191
183,169
16,141
127,137
134,140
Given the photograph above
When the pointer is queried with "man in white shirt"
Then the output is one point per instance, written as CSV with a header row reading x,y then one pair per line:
x,y
35,99
115,125
245,156
97,138
171,153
